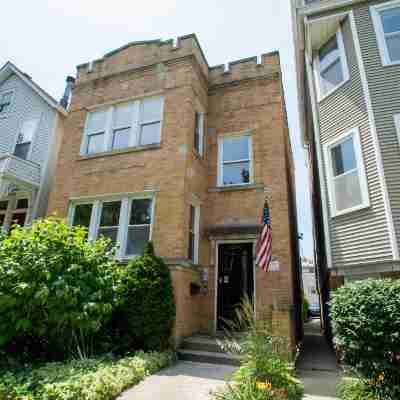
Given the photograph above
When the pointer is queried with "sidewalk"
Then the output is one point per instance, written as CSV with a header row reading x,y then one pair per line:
x,y
317,365
184,381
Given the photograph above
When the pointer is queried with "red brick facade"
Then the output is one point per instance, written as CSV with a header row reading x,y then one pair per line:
x,y
246,99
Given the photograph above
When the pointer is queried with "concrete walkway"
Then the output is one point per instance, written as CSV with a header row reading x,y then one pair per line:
x,y
183,381
317,365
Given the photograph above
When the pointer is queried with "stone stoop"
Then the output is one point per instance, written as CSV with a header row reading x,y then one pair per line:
x,y
205,349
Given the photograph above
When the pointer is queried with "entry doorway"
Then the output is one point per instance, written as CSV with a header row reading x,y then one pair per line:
x,y
235,279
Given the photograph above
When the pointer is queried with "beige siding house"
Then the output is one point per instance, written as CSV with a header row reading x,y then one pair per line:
x,y
348,67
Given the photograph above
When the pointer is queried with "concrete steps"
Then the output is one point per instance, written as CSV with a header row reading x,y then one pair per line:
x,y
205,349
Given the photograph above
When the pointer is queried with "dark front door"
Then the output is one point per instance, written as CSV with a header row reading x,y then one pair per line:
x,y
235,279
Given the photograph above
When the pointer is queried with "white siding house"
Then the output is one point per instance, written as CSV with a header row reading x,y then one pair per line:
x,y
31,124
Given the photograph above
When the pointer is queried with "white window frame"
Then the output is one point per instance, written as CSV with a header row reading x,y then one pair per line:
x,y
220,177
38,121
200,151
345,68
196,232
375,11
355,135
2,92
136,124
126,203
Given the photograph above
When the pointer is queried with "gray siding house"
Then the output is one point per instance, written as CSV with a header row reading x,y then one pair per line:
x,y
31,123
348,70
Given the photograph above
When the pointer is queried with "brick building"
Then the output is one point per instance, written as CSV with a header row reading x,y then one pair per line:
x,y
160,146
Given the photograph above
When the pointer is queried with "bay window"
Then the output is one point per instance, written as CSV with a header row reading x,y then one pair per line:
x,y
386,18
123,125
126,221
347,183
330,66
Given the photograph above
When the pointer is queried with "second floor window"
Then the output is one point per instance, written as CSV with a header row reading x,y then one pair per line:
x,y
386,19
25,137
331,66
5,102
347,182
235,161
124,125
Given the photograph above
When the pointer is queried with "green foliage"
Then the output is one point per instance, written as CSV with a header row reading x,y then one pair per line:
x,y
56,288
366,323
146,317
355,389
264,360
90,379
305,306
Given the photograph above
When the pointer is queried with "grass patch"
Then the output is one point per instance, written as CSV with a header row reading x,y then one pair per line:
x,y
89,379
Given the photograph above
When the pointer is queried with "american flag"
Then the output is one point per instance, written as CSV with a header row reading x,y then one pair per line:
x,y
264,242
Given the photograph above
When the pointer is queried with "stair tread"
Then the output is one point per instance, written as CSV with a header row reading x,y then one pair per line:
x,y
210,354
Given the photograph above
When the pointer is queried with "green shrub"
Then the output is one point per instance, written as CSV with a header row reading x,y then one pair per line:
x,y
305,307
56,288
366,324
90,379
265,372
145,319
355,389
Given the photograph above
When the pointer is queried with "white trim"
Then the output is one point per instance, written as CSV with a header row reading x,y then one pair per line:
x,y
343,62
380,35
124,215
250,160
374,134
355,135
233,241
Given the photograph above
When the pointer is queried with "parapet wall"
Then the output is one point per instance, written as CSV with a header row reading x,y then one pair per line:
x,y
137,55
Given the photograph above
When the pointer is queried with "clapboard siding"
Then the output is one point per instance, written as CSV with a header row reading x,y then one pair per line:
x,y
362,236
384,86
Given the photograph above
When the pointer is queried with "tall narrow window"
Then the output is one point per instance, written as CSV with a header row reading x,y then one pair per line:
x,y
109,221
199,133
235,160
386,19
5,102
24,141
122,125
331,65
193,239
150,121
347,181
96,129
139,226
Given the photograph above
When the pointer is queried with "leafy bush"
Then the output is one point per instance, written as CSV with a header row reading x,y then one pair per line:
x,y
90,379
355,389
265,372
366,323
145,319
55,288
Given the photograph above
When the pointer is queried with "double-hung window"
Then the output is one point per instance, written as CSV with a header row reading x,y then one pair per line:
x,y
331,68
386,18
193,239
347,183
235,161
25,137
199,133
126,222
5,102
124,125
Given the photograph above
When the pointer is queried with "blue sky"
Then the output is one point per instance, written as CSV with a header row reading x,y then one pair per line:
x,y
52,37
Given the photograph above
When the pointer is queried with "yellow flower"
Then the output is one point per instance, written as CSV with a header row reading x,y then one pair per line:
x,y
264,386
381,377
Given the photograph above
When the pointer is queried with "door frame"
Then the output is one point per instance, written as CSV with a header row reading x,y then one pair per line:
x,y
232,241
